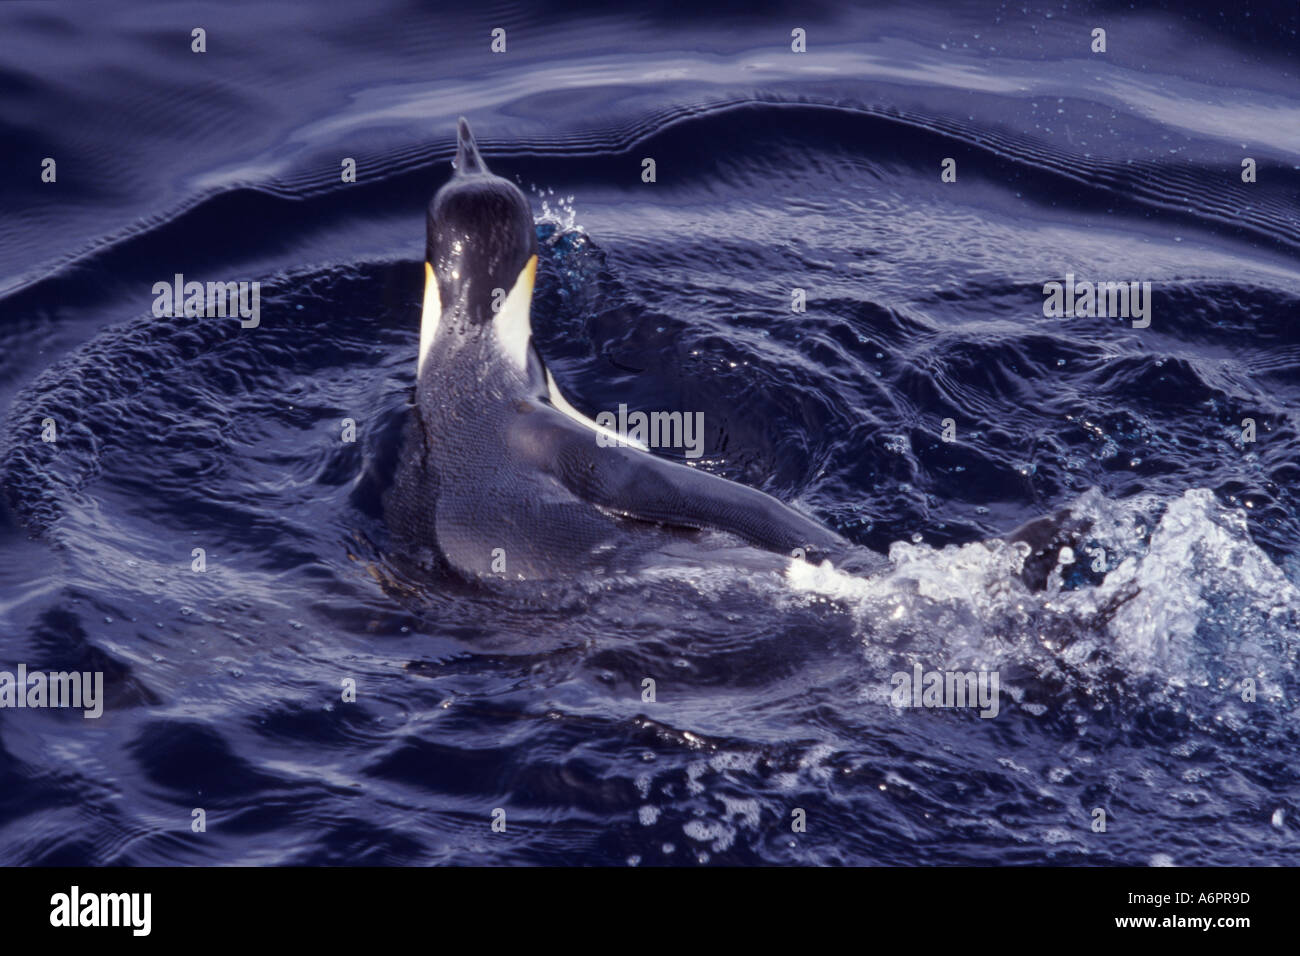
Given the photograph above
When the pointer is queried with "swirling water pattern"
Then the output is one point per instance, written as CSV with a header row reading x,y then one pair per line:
x,y
1121,683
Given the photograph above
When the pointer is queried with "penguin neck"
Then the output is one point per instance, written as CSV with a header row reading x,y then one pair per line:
x,y
469,361
446,328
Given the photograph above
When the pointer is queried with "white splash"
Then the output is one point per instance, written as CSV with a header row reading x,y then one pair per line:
x,y
1197,602
558,210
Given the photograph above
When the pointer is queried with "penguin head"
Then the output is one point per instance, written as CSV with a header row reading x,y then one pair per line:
x,y
480,254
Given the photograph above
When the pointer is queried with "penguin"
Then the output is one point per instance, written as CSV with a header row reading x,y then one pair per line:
x,y
499,476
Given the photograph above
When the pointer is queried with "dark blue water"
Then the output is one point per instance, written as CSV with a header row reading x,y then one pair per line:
x,y
1121,681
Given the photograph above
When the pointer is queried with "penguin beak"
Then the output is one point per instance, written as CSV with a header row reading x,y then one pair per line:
x,y
468,161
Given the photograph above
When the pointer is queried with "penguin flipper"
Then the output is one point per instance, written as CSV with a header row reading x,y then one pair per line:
x,y
635,484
